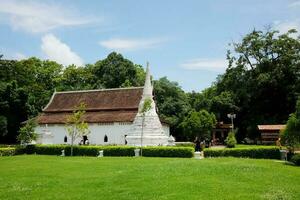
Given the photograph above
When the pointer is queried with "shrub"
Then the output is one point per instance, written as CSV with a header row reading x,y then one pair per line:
x,y
185,152
296,159
27,133
182,152
80,150
230,140
263,152
7,151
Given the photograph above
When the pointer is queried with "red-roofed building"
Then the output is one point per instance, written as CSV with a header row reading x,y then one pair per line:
x,y
270,133
109,113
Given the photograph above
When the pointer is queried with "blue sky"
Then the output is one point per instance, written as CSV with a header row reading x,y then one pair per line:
x,y
183,40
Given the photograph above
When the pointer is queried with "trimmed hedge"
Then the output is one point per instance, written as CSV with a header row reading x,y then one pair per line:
x,y
181,152
296,159
7,151
263,152
80,150
11,151
185,152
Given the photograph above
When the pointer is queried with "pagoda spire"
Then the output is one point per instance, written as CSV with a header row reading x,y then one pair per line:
x,y
148,89
147,127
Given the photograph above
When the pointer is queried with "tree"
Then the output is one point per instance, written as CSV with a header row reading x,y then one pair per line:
x,y
27,133
75,125
3,125
230,140
172,104
14,110
146,107
76,78
116,71
291,134
262,79
198,124
209,99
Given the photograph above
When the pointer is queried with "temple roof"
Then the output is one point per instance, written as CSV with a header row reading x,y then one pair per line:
x,y
102,106
271,127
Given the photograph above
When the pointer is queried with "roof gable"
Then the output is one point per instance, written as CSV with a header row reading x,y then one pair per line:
x,y
271,127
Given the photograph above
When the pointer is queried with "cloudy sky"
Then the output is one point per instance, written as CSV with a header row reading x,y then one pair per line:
x,y
183,40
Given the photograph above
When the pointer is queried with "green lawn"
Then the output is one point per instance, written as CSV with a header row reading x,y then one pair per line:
x,y
52,177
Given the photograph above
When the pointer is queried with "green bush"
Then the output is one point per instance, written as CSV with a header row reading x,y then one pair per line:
x,y
182,152
185,152
7,151
296,159
263,152
80,150
230,140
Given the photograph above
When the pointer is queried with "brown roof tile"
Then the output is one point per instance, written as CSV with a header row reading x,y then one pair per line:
x,y
90,117
108,99
109,105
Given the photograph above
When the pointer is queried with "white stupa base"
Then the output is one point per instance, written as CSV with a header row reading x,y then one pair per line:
x,y
135,140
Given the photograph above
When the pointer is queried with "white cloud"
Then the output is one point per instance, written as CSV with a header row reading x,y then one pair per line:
x,y
284,26
294,4
56,50
35,17
130,44
19,56
218,65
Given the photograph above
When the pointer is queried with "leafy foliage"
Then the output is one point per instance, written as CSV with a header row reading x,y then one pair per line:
x,y
76,126
184,152
230,140
262,152
146,106
27,133
263,79
198,124
296,159
291,134
116,71
172,104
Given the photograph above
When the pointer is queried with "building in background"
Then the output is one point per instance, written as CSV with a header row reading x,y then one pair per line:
x,y
110,114
270,133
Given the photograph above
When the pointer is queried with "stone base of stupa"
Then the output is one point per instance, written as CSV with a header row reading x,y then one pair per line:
x,y
135,140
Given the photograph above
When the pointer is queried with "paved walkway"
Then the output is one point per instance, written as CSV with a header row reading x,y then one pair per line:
x,y
218,147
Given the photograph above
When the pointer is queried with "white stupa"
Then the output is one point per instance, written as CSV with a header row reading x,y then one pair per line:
x,y
151,134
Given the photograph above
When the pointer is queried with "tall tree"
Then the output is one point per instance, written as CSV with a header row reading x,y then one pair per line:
x,y
263,79
76,78
172,104
13,109
198,124
116,71
291,134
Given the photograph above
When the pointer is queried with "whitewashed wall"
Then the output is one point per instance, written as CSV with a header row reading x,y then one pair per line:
x,y
55,133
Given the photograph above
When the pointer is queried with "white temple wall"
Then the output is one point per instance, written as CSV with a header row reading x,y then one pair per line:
x,y
115,132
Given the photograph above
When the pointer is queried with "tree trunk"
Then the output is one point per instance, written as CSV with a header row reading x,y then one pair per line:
x,y
142,135
72,142
72,148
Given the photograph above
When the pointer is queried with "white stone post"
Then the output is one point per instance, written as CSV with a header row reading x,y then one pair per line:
x,y
100,154
137,152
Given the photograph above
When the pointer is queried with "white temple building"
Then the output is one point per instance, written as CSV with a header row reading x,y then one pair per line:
x,y
112,115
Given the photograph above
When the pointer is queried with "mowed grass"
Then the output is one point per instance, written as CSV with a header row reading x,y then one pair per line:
x,y
53,177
